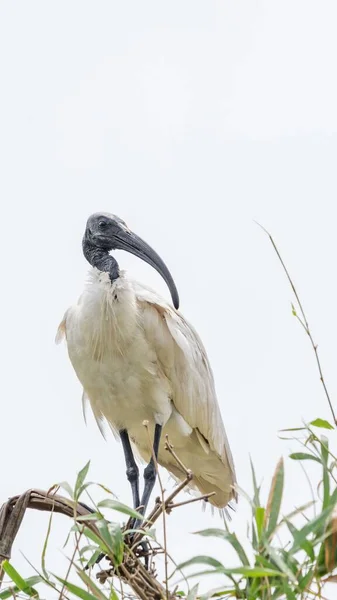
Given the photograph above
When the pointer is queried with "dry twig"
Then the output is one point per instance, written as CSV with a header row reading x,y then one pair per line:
x,y
303,321
132,571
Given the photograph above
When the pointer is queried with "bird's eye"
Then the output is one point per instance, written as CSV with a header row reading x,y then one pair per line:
x,y
102,224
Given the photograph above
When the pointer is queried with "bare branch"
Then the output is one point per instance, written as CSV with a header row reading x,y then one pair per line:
x,y
303,321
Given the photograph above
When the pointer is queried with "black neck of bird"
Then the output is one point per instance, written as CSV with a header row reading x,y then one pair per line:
x,y
101,259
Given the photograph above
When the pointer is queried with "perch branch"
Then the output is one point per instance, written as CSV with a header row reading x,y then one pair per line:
x,y
132,571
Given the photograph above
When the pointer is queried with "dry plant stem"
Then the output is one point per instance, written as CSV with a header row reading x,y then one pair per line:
x,y
204,497
13,511
304,323
155,514
169,448
77,539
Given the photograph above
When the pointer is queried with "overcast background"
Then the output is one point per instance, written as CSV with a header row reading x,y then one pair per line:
x,y
189,120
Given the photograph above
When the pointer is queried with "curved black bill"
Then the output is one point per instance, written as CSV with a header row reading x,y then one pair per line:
x,y
126,240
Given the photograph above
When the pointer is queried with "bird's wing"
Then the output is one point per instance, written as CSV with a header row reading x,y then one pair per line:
x,y
184,361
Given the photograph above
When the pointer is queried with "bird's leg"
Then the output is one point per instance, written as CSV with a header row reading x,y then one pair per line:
x,y
150,474
132,471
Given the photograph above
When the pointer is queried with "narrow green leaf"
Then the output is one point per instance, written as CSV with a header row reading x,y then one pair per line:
x,y
229,537
315,526
113,595
18,580
322,423
288,591
254,572
91,517
303,582
192,595
93,559
88,548
280,563
80,479
298,510
246,571
256,498
303,456
275,498
305,544
326,476
255,542
117,542
66,487
200,560
91,585
104,531
122,508
74,589
259,519
10,591
220,593
293,429
95,538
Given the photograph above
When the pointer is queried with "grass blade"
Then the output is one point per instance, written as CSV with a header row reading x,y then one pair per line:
x,y
80,479
119,507
274,499
11,591
20,583
229,537
77,591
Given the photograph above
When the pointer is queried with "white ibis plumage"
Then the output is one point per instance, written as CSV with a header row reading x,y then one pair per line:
x,y
138,359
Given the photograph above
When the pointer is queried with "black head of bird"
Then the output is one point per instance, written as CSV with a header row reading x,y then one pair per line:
x,y
105,232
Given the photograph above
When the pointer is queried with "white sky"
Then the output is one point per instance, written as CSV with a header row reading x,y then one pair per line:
x,y
189,120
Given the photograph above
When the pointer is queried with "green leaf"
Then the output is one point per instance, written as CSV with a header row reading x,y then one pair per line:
x,y
113,595
303,582
91,585
200,560
275,498
91,517
229,537
192,595
219,593
306,545
298,510
218,568
77,591
322,423
326,475
259,519
122,508
97,539
66,487
293,429
117,542
93,559
80,479
88,548
256,498
11,591
255,572
104,531
18,580
303,456
280,563
315,526
288,591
